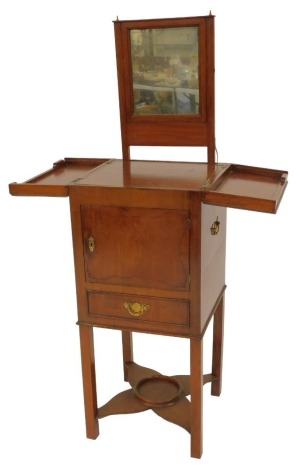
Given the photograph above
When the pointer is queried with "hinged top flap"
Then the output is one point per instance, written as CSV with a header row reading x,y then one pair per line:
x,y
245,187
56,181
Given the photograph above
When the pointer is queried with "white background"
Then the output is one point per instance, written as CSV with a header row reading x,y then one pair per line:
x,y
59,98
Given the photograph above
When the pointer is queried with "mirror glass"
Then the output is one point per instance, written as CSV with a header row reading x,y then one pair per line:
x,y
165,70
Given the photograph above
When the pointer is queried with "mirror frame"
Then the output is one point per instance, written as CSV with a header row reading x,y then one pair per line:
x,y
167,129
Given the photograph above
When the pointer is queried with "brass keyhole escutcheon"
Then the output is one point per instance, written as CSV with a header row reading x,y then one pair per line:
x,y
135,308
91,244
215,227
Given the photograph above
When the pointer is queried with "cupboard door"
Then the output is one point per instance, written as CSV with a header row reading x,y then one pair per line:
x,y
139,247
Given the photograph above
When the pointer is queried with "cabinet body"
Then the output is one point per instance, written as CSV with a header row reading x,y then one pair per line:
x,y
149,237
146,260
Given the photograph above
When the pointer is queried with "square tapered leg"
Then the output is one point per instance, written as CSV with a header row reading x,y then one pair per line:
x,y
89,381
218,333
127,344
196,384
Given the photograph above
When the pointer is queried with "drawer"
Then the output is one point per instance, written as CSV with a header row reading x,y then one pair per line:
x,y
106,305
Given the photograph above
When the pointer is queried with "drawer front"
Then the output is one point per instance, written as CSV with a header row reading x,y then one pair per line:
x,y
128,307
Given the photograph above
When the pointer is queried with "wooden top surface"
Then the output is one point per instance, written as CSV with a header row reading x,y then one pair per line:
x,y
229,185
152,174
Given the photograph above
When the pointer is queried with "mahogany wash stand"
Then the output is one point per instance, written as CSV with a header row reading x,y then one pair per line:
x,y
149,237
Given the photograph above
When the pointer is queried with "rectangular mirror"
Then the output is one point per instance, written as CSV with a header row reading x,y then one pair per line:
x,y
165,70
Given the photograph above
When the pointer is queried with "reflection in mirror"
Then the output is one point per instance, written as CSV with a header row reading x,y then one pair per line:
x,y
165,70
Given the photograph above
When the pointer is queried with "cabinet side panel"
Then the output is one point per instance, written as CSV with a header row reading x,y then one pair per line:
x,y
75,199
213,248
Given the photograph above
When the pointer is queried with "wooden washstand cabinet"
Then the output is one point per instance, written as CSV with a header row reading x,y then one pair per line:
x,y
149,237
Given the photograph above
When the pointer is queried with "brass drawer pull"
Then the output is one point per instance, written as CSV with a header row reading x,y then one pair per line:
x,y
215,227
135,308
91,244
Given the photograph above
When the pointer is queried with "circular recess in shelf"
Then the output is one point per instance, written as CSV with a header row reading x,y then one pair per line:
x,y
158,390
